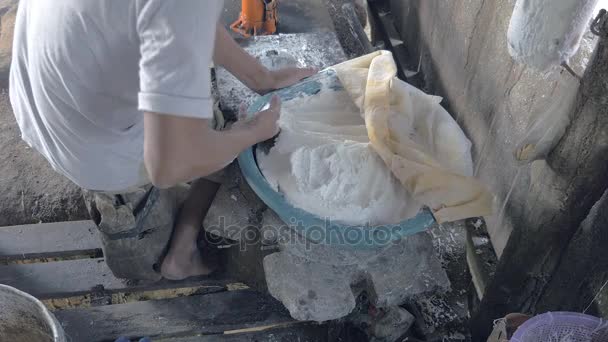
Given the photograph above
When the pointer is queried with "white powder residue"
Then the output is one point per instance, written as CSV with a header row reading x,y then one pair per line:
x,y
315,49
323,163
545,33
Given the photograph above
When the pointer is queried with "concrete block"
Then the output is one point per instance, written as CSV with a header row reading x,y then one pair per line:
x,y
310,291
390,276
320,282
393,325
406,269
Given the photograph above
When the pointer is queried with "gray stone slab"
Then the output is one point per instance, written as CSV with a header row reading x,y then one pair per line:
x,y
394,324
404,270
310,291
318,49
390,276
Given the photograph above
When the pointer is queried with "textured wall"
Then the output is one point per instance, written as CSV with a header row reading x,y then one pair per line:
x,y
463,49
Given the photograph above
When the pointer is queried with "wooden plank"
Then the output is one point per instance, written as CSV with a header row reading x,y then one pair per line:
x,y
62,239
76,277
298,331
351,15
481,258
203,314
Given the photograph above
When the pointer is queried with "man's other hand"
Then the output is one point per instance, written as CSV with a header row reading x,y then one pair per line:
x,y
285,77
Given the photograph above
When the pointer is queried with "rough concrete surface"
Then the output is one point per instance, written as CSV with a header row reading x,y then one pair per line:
x,y
31,190
318,49
463,48
310,291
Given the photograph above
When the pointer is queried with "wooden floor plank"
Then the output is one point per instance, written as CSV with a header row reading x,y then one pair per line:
x,y
75,277
299,331
61,239
202,314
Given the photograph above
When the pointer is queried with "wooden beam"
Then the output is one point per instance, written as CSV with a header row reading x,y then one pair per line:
x,y
583,270
575,172
349,30
48,240
298,331
390,36
69,278
356,27
203,314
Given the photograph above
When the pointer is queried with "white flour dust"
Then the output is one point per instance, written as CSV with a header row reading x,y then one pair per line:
x,y
323,163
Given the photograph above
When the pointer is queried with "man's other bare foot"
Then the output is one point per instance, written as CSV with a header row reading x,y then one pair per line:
x,y
182,264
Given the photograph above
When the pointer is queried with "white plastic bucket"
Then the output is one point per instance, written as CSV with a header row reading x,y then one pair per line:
x,y
24,318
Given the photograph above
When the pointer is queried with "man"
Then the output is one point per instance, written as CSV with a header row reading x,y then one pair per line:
x,y
117,94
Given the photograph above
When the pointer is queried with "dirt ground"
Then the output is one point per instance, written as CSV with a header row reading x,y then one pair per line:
x,y
31,190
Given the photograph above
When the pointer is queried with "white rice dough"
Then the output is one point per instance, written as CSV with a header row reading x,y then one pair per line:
x,y
323,163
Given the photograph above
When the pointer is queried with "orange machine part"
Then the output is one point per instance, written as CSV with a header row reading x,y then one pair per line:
x,y
258,17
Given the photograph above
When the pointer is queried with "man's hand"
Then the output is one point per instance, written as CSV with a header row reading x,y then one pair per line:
x,y
282,78
249,70
264,125
266,122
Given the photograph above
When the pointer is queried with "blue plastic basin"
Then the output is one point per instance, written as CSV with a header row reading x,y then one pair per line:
x,y
312,227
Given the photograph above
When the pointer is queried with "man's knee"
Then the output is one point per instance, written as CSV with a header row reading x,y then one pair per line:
x,y
135,228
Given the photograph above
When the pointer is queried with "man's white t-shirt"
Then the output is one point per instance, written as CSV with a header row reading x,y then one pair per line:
x,y
83,72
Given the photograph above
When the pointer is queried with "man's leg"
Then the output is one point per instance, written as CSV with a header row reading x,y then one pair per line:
x,y
183,259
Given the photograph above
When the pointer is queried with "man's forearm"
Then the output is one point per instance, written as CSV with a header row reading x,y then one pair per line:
x,y
178,149
185,149
237,61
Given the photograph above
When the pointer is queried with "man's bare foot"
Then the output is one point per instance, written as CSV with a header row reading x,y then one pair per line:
x,y
179,265
184,259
